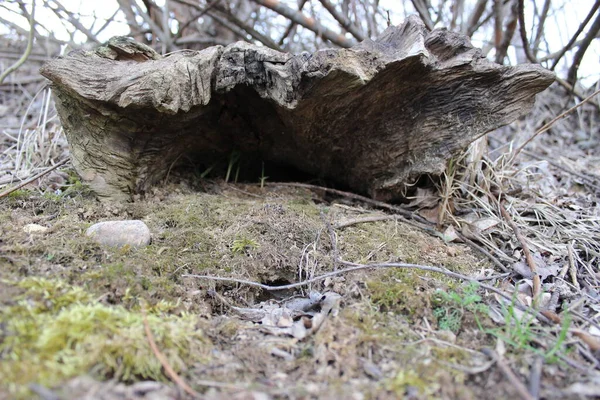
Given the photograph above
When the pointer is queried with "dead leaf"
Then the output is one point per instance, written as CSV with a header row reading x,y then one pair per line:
x,y
450,235
431,214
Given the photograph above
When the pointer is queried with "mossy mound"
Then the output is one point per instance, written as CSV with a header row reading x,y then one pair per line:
x,y
70,306
53,331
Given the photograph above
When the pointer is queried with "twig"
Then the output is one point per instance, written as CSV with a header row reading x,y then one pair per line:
x,y
43,392
357,267
164,362
537,284
28,49
572,269
468,241
505,368
553,121
195,17
493,277
363,220
354,267
574,91
73,21
28,181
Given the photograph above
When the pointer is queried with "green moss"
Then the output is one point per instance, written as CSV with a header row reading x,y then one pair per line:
x,y
52,196
399,291
20,194
54,331
408,380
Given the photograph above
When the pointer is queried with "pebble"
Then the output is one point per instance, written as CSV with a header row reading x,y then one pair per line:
x,y
134,233
34,228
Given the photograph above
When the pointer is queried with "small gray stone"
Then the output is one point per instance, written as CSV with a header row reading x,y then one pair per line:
x,y
134,233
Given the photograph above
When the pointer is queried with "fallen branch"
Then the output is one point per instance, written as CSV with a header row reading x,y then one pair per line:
x,y
405,213
483,251
32,179
357,267
469,242
407,216
535,377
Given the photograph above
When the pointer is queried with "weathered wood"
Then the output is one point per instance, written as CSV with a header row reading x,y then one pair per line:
x,y
371,118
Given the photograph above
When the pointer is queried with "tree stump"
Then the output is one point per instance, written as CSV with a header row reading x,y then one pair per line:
x,y
370,118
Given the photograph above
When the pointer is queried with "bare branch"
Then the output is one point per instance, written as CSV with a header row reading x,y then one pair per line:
x,y
592,33
107,22
226,24
498,18
571,42
72,20
457,9
156,30
344,22
251,31
202,11
127,7
423,11
33,178
309,23
28,49
509,31
476,14
523,32
540,28
292,26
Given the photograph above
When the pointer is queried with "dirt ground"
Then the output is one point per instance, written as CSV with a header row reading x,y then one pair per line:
x,y
72,312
